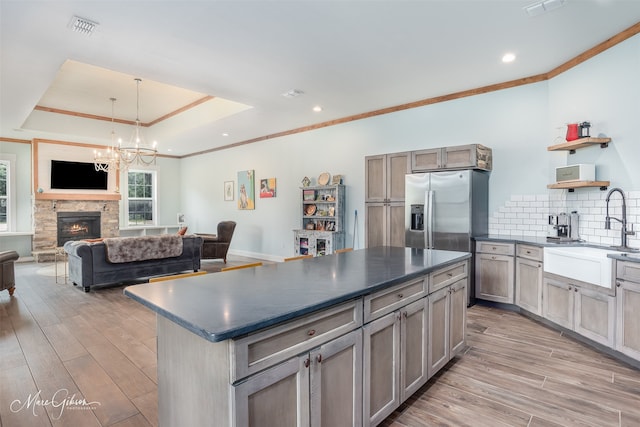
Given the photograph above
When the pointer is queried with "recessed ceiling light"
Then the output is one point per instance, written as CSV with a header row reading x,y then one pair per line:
x,y
508,57
169,149
292,93
225,134
317,108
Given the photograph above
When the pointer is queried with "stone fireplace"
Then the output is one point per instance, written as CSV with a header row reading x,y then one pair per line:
x,y
78,226
46,213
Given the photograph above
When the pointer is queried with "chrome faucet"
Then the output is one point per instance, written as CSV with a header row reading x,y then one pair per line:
x,y
607,221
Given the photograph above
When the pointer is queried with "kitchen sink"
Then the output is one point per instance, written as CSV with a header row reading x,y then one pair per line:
x,y
582,263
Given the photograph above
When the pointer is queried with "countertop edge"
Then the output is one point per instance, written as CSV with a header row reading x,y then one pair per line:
x,y
632,256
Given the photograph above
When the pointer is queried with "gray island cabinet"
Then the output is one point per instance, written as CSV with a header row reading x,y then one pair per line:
x,y
340,340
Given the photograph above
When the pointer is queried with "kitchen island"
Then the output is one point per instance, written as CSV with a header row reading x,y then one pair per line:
x,y
343,338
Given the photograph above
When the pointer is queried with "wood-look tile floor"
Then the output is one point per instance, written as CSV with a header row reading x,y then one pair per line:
x,y
56,340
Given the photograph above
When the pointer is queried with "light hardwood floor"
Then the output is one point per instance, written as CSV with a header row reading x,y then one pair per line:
x,y
100,346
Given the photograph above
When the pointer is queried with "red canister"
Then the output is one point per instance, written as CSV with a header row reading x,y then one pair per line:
x,y
572,132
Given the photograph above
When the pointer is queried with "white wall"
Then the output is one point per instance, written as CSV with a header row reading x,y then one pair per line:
x,y
501,120
518,124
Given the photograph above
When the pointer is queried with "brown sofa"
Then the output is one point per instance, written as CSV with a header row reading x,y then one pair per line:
x,y
215,246
7,275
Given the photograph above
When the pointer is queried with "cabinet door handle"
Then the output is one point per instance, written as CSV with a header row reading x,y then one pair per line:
x,y
494,248
319,358
528,252
575,289
306,363
400,295
405,314
450,274
311,332
570,288
618,284
493,257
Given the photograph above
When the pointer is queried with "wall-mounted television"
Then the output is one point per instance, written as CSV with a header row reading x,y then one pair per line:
x,y
77,176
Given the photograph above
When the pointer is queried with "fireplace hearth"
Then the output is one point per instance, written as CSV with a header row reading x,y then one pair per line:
x,y
78,226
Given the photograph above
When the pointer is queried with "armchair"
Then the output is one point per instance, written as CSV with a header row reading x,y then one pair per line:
x,y
215,246
7,277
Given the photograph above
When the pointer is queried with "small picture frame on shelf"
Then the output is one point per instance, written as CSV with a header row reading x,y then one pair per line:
x,y
337,179
308,195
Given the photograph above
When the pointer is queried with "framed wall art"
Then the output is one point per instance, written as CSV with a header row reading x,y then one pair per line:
x,y
267,188
228,190
246,190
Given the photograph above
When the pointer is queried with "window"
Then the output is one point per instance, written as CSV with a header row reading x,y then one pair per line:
x,y
4,194
141,197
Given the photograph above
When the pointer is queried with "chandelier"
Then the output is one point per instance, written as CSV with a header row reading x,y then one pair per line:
x,y
136,152
108,161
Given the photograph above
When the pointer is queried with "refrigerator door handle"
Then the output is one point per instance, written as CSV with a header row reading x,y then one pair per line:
x,y
429,220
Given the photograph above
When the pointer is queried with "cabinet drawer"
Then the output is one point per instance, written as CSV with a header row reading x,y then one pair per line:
x,y
380,303
535,253
495,248
441,278
266,348
628,271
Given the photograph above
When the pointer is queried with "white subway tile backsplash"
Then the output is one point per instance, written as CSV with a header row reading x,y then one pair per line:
x,y
526,215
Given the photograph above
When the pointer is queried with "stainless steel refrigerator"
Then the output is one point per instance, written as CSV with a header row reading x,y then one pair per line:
x,y
445,210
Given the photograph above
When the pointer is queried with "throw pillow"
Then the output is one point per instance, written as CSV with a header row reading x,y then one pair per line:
x,y
182,231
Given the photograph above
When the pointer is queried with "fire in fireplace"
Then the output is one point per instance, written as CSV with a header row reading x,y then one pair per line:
x,y
78,226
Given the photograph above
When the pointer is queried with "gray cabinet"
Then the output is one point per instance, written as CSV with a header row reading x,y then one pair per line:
x,y
319,388
558,302
385,224
276,397
381,381
529,273
384,177
579,307
495,271
472,156
628,307
395,359
447,324
395,345
402,329
384,197
322,212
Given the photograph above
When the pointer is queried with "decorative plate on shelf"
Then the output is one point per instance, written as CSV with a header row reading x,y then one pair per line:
x,y
310,210
323,179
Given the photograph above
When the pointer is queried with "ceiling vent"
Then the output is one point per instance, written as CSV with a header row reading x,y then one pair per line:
x,y
540,7
82,25
292,93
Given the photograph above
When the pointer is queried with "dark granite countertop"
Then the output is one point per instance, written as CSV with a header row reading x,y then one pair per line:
x,y
528,240
630,257
231,304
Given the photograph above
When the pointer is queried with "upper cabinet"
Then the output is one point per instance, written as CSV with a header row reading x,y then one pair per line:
x,y
384,177
472,156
